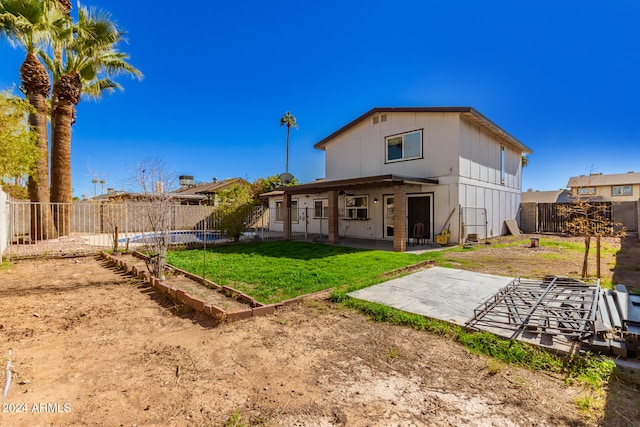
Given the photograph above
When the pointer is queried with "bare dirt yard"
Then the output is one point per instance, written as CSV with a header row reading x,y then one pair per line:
x,y
92,346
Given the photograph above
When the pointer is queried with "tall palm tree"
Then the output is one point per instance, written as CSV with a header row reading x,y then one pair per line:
x,y
31,24
90,60
289,121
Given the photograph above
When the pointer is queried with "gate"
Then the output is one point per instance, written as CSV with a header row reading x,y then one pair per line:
x,y
473,224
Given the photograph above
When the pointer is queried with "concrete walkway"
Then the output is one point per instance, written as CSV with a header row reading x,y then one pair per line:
x,y
440,293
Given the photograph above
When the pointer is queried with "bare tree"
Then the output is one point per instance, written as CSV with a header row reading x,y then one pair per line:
x,y
153,211
113,213
589,218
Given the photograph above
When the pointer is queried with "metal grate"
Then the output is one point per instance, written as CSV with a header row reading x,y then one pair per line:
x,y
553,306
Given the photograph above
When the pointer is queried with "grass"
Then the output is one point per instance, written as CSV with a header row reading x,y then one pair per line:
x,y
276,271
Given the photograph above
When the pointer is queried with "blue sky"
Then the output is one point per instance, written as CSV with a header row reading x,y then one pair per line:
x,y
560,76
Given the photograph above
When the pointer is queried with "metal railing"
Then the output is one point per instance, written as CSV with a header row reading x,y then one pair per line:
x,y
82,228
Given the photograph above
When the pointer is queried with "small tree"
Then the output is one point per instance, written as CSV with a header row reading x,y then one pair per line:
x,y
270,183
233,208
588,218
153,211
112,213
18,149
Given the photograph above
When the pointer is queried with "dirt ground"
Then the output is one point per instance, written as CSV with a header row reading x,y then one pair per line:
x,y
92,346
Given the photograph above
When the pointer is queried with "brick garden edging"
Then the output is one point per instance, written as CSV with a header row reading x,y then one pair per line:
x,y
180,296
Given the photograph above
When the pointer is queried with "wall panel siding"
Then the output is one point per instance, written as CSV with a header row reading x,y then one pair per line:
x,y
361,150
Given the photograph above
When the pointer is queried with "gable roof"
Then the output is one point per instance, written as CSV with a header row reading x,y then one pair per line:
x,y
554,196
598,180
209,187
468,113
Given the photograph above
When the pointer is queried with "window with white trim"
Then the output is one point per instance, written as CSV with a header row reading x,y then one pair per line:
x,y
586,190
404,147
356,207
621,190
280,211
321,208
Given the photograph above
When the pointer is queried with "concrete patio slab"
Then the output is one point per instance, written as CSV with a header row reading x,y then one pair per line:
x,y
441,293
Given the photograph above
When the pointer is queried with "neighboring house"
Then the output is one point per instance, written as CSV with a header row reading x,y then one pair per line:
x,y
189,193
554,196
204,193
444,167
619,187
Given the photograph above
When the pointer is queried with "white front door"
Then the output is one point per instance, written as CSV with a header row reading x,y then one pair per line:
x,y
388,213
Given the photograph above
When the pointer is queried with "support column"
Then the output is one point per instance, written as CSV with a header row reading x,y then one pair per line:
x,y
333,217
399,218
286,216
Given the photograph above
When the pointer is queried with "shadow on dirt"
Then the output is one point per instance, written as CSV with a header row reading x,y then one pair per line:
x,y
627,267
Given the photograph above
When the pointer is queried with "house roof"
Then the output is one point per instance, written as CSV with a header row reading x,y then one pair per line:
x,y
598,180
356,183
468,113
207,188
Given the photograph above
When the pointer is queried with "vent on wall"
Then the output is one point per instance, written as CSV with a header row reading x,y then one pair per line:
x,y
380,118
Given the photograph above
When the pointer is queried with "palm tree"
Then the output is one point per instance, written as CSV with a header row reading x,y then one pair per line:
x,y
90,60
31,24
289,121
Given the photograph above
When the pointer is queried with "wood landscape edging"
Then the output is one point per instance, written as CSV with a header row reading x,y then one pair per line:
x,y
181,296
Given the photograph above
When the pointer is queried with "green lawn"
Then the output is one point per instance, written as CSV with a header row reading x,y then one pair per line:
x,y
275,271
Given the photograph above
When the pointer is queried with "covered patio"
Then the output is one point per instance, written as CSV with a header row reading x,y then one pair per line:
x,y
399,186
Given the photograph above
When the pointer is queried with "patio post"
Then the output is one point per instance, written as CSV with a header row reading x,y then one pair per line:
x,y
400,218
286,216
333,229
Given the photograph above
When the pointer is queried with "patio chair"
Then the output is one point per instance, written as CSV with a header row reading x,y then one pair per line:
x,y
418,234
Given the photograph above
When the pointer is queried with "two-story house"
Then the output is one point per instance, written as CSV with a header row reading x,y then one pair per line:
x,y
619,187
391,168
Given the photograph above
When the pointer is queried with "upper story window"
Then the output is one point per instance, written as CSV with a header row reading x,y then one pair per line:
x,y
503,175
586,190
356,207
404,147
621,190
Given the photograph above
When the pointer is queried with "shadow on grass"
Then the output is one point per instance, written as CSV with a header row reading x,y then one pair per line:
x,y
286,249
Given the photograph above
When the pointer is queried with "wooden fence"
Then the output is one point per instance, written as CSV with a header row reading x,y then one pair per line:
x,y
553,217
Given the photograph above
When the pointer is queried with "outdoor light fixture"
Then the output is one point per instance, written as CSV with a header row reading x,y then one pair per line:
x,y
375,200
341,193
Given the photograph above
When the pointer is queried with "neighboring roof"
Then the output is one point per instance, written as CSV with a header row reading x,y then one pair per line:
x,y
467,112
204,189
355,183
557,196
599,180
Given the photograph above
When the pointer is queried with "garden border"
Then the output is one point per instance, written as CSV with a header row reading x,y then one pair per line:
x,y
182,297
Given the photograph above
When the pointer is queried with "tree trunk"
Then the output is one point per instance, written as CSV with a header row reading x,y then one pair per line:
x,y
66,92
598,257
61,188
587,243
35,82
